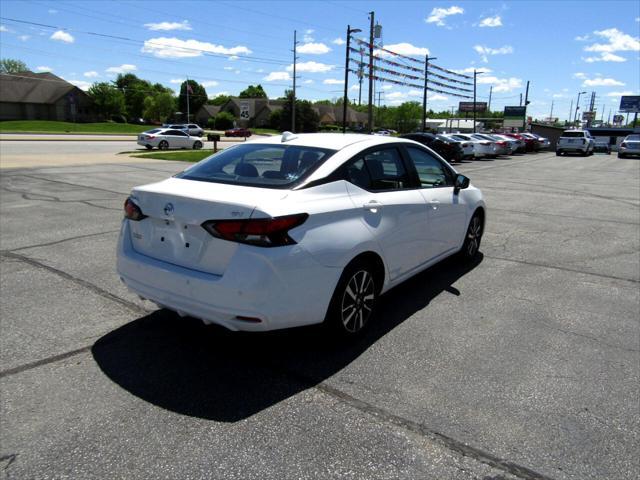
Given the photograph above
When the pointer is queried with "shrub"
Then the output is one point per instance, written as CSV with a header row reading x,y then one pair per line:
x,y
224,121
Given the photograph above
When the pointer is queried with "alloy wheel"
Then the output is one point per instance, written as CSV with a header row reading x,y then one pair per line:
x,y
473,236
357,301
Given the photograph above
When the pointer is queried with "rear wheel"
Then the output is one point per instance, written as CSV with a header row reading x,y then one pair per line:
x,y
197,145
620,155
148,147
471,244
353,300
163,145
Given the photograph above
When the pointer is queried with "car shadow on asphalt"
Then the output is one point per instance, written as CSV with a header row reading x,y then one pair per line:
x,y
193,369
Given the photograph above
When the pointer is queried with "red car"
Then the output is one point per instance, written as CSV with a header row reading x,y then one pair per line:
x,y
530,144
238,132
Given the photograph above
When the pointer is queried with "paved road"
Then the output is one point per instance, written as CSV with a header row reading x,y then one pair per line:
x,y
524,365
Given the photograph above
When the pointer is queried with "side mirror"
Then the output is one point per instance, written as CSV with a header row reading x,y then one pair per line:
x,y
461,183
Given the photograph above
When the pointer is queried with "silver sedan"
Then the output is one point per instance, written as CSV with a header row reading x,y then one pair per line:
x,y
166,138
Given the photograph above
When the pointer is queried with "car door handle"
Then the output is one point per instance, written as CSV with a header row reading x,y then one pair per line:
x,y
372,206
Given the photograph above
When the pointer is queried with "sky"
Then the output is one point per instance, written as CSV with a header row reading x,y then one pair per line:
x,y
561,47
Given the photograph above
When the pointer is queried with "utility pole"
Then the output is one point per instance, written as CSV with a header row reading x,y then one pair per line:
x,y
188,87
609,118
520,100
490,93
370,111
551,113
293,100
345,99
424,96
360,76
575,118
526,102
475,74
570,112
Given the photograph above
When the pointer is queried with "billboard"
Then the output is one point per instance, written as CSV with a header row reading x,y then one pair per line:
x,y
586,116
618,119
630,104
514,117
468,107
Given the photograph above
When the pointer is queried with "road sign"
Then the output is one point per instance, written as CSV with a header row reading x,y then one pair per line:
x,y
630,104
514,117
244,111
586,116
618,119
468,107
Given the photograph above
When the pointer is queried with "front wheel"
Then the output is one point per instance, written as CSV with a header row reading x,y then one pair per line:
x,y
197,145
353,300
148,147
471,244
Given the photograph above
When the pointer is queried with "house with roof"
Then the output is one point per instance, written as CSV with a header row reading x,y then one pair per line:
x,y
205,112
43,96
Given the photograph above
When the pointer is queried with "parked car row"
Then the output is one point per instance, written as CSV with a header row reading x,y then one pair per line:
x,y
455,147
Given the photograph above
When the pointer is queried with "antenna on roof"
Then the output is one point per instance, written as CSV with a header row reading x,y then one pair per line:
x,y
286,136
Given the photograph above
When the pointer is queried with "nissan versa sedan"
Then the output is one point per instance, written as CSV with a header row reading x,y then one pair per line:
x,y
165,138
296,230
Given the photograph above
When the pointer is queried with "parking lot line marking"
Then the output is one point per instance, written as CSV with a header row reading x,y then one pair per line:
x,y
532,213
72,184
56,242
78,281
555,267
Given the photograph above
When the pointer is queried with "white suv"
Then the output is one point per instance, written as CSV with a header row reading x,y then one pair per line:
x,y
291,231
575,141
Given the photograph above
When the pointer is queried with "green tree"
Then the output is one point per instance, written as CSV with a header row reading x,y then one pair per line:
x,y
197,96
219,100
407,117
10,65
159,107
307,120
253,92
107,99
224,121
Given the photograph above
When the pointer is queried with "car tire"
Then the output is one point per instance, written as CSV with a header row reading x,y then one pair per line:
x,y
163,145
148,147
620,155
197,145
558,153
353,301
473,237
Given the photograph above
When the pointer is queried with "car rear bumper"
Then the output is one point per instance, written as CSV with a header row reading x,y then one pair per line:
x,y
261,289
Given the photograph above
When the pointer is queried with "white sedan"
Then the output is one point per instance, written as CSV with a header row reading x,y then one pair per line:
x,y
166,138
296,230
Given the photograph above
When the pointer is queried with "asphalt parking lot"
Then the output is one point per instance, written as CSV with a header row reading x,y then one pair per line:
x,y
523,365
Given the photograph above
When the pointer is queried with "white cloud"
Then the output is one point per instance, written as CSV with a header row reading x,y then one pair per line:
x,y
354,87
558,95
438,98
311,67
333,81
276,76
402,49
617,42
338,41
438,15
583,38
81,84
91,74
24,38
491,22
387,87
602,82
124,68
485,51
415,93
209,83
233,58
580,75
228,68
52,11
471,69
177,80
605,57
5,29
619,94
395,96
164,47
62,36
500,84
309,31
166,26
313,48
44,69
260,70
217,94
308,82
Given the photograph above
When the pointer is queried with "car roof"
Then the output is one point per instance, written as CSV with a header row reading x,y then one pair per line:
x,y
333,141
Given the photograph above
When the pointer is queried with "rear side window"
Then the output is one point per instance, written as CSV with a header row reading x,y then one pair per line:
x,y
431,171
175,133
379,170
269,166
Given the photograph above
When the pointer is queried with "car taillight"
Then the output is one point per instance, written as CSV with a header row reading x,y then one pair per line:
x,y
150,137
262,232
623,144
132,211
502,144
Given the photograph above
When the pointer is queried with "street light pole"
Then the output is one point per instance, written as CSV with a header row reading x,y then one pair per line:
x,y
424,96
575,118
346,78
370,111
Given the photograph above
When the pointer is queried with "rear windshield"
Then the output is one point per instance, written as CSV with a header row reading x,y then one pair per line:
x,y
460,137
268,166
445,139
155,130
573,134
